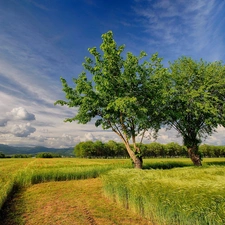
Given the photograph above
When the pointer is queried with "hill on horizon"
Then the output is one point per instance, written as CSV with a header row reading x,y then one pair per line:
x,y
12,150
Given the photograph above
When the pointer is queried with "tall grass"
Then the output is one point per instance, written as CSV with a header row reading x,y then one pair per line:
x,y
9,169
177,196
33,176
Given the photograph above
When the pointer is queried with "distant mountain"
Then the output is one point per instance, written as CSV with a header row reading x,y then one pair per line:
x,y
11,150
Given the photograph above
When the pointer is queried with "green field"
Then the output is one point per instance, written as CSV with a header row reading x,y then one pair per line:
x,y
167,191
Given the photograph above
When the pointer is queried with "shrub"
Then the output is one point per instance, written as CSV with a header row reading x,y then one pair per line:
x,y
2,155
48,155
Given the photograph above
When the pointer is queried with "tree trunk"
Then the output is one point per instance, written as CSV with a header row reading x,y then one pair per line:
x,y
137,160
138,163
194,157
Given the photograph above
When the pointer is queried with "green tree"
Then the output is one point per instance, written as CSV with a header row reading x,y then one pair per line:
x,y
173,149
78,150
155,149
22,156
99,148
115,149
122,95
110,148
48,155
85,149
2,155
44,155
195,101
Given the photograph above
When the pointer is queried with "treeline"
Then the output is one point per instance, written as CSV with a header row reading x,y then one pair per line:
x,y
112,149
48,155
39,155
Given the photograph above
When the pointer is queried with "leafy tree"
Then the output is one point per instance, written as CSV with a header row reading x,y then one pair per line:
x,y
22,156
115,149
122,95
2,155
85,149
99,148
195,101
111,148
155,149
78,150
173,149
48,155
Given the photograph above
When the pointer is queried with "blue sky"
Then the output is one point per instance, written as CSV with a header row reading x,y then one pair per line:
x,y
41,40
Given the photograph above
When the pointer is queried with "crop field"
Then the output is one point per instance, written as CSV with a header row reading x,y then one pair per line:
x,y
109,191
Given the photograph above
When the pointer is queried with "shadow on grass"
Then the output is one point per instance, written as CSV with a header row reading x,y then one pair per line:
x,y
8,207
216,163
165,165
174,164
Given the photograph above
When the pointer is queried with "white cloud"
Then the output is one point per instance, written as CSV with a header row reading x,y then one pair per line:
x,y
218,138
63,141
16,114
20,114
22,130
88,137
13,123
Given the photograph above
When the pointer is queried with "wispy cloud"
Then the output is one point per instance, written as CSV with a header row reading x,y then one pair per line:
x,y
183,27
38,5
29,59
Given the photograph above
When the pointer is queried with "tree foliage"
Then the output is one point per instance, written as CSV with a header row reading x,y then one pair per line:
x,y
22,156
48,155
97,149
2,155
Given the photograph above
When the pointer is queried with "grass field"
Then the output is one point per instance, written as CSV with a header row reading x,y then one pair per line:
x,y
118,195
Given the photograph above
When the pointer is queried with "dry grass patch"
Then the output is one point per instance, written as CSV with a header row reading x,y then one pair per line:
x,y
69,202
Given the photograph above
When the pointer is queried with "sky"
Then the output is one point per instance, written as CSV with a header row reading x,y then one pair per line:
x,y
43,40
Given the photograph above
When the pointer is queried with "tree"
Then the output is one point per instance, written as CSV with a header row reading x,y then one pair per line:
x,y
195,101
99,148
173,149
85,149
116,149
48,155
155,149
2,155
122,94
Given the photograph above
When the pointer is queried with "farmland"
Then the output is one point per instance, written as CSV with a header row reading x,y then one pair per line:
x,y
109,191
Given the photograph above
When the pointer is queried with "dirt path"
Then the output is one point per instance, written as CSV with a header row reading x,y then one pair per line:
x,y
72,202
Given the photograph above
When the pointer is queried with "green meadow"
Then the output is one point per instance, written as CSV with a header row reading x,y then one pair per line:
x,y
109,191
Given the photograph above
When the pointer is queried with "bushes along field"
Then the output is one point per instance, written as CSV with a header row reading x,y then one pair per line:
x,y
112,149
